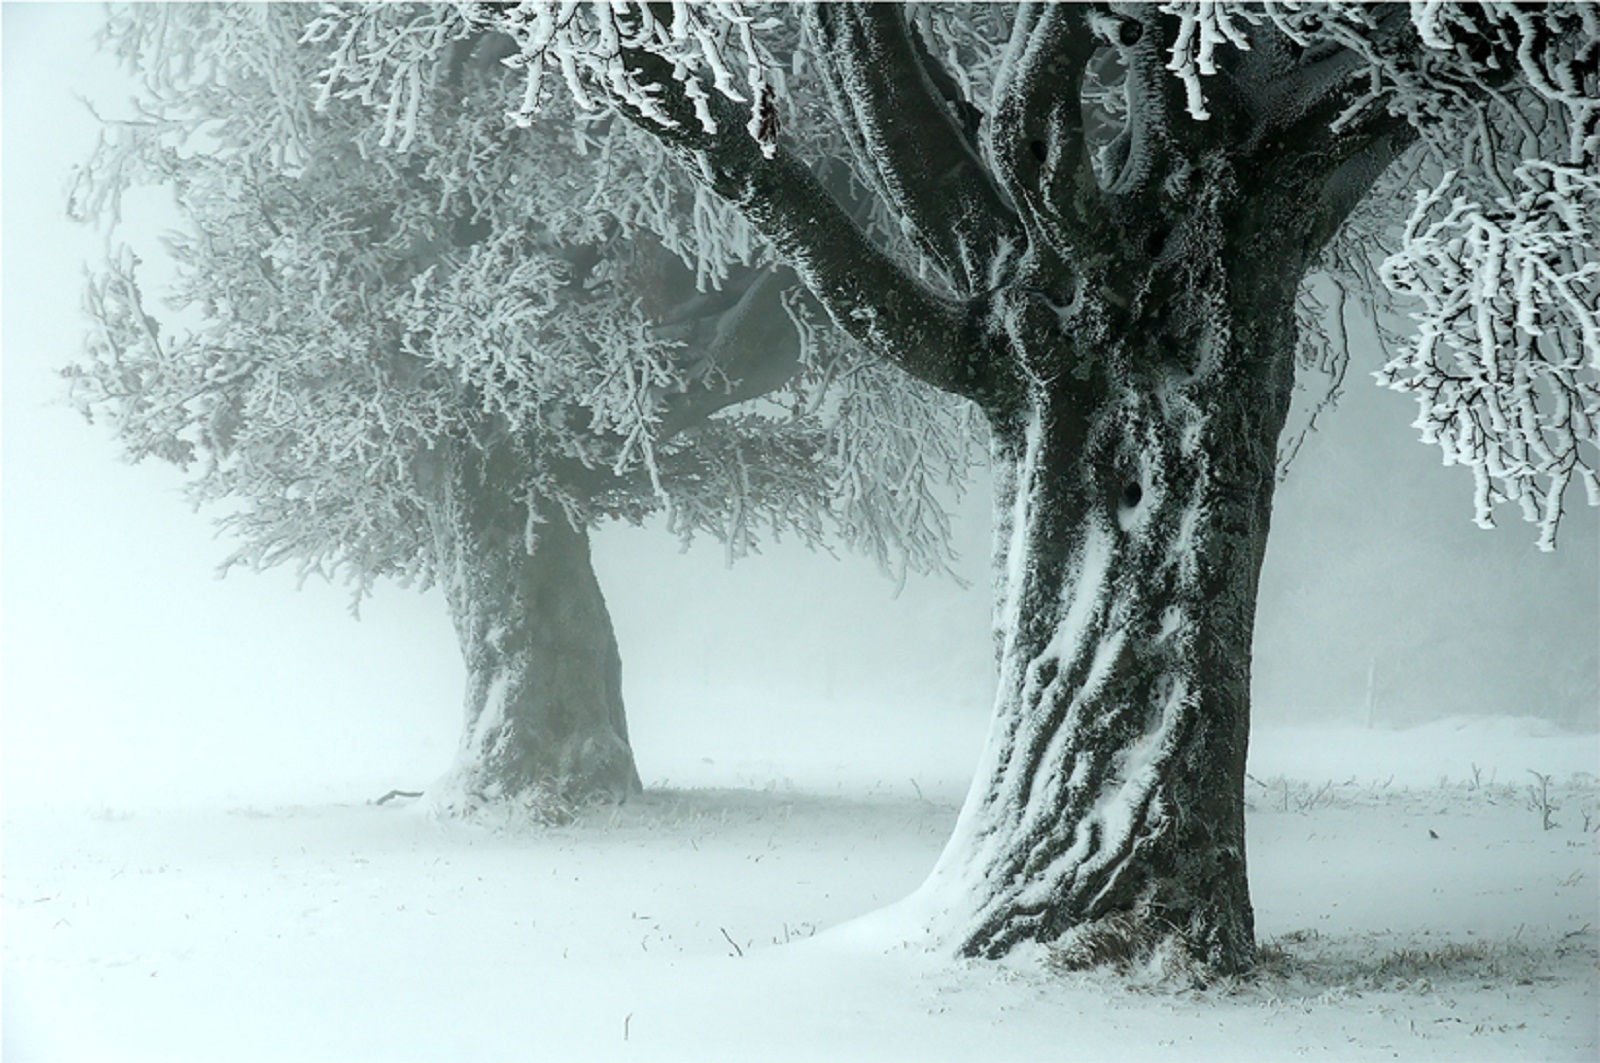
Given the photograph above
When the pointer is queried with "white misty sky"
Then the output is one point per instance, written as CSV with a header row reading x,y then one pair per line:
x,y
127,665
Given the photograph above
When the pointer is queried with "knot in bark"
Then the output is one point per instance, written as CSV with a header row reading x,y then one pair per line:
x,y
1051,342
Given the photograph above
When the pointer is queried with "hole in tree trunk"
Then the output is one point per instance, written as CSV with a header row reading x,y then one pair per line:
x,y
1040,150
1131,495
1157,241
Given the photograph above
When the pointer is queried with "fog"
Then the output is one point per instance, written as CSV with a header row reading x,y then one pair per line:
x,y
127,665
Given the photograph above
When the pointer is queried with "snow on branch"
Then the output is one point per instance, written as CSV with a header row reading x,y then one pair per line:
x,y
894,451
402,64
704,42
1497,262
1506,363
1202,26
381,55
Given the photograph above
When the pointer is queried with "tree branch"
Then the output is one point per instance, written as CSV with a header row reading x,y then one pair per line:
x,y
884,87
1154,96
1038,139
1347,184
1305,135
866,292
1298,107
751,349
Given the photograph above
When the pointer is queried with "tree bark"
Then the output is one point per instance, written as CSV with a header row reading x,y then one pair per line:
x,y
545,729
1107,814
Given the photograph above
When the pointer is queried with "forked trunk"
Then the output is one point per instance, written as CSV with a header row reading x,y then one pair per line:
x,y
1107,816
545,729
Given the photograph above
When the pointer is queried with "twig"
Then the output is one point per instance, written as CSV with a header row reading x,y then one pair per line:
x,y
1540,801
393,794
732,942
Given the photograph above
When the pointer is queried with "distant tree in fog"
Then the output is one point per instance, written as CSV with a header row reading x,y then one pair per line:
x,y
411,336
1100,224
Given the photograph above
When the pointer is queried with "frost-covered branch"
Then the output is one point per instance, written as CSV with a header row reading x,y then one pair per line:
x,y
1506,364
393,49
867,293
882,82
1496,263
1038,141
589,45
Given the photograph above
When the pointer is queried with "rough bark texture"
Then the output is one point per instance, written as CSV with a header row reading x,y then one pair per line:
x,y
544,726
1132,516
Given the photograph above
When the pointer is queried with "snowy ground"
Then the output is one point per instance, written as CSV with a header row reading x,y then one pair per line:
x,y
1414,909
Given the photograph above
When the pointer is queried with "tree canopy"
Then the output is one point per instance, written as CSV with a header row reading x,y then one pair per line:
x,y
364,273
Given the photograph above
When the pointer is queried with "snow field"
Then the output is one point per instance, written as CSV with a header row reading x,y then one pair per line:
x,y
681,926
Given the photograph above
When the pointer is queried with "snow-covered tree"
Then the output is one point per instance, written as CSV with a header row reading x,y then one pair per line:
x,y
1107,226
409,334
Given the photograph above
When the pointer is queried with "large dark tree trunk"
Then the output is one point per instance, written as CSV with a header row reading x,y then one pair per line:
x,y
544,727
1132,507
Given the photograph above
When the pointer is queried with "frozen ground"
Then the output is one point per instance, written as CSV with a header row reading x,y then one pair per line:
x,y
1414,908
